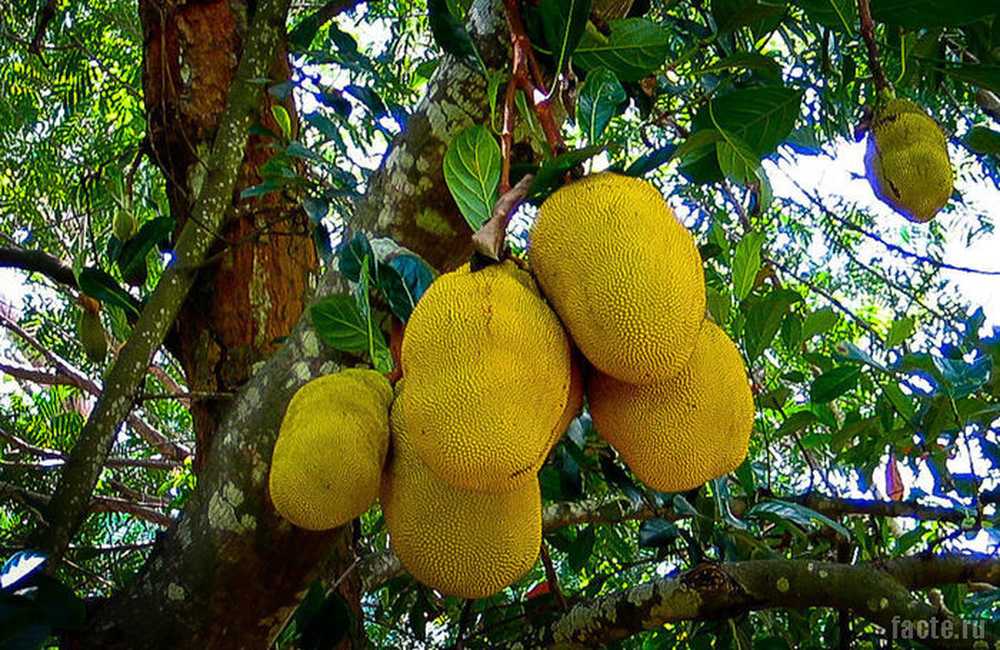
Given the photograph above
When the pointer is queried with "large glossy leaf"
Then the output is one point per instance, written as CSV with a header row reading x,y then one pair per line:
x,y
552,171
402,281
635,48
563,22
341,325
839,14
599,99
97,284
761,117
133,253
984,76
472,173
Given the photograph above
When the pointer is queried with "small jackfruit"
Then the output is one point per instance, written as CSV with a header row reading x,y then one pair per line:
x,y
460,542
327,462
623,274
487,365
681,433
907,160
92,335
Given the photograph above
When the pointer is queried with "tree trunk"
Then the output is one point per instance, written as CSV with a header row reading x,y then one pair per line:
x,y
254,291
230,571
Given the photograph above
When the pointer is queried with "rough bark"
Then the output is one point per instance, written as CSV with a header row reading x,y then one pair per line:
x,y
877,592
70,502
254,292
229,573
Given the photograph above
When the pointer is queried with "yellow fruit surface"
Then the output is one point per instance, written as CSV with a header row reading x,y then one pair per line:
x,y
623,273
907,161
681,433
327,462
460,542
487,368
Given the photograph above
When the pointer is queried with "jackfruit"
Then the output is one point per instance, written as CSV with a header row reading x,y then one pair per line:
x,y
92,336
460,542
907,160
488,368
623,274
327,462
694,427
573,404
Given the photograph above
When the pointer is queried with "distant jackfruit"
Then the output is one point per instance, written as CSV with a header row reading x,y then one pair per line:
x,y
327,462
460,542
681,433
92,335
487,364
907,160
623,274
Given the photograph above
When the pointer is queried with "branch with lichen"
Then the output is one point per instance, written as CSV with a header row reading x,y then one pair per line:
x,y
69,505
878,592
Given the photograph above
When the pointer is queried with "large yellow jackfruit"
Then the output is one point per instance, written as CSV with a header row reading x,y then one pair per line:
x,y
460,542
694,427
487,365
623,273
907,161
327,462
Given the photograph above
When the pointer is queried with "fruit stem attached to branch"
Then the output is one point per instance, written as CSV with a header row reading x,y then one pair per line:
x,y
868,34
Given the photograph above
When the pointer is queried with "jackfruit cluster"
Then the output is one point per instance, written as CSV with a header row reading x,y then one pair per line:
x,y
907,161
327,462
668,388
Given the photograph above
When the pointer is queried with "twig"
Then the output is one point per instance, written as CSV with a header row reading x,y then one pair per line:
x,y
868,34
552,578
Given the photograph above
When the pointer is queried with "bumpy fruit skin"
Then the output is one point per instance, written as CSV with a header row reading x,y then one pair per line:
x,y
92,336
460,542
623,273
573,405
487,365
679,434
327,462
907,161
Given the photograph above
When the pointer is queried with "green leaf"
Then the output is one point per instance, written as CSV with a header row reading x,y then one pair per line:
x,y
582,547
472,173
283,119
340,324
983,140
563,22
768,67
818,322
550,174
654,533
99,285
133,254
921,14
761,117
377,349
839,14
597,103
635,48
450,34
796,422
719,305
351,257
746,263
738,163
778,510
402,281
834,383
982,75
900,330
764,320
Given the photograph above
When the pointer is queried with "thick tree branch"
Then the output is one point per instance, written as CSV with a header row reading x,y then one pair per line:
x,y
69,504
38,262
868,35
877,592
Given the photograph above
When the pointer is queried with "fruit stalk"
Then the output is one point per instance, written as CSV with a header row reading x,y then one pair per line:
x,y
868,34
